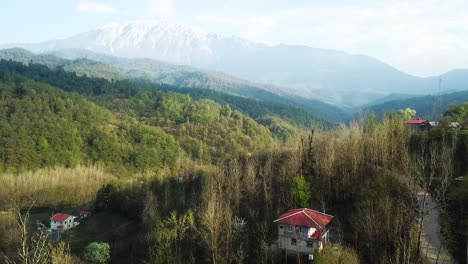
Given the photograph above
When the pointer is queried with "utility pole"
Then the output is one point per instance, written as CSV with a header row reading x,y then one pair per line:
x,y
439,99
437,106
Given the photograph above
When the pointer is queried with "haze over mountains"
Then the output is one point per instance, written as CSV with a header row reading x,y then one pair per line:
x,y
334,77
427,107
180,78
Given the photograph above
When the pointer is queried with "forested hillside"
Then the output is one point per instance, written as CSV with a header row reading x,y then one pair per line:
x,y
186,76
24,56
174,76
43,126
427,107
242,96
97,87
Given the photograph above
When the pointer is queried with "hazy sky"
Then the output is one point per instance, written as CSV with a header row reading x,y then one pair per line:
x,y
421,37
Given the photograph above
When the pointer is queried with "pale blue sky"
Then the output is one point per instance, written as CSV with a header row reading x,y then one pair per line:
x,y
421,37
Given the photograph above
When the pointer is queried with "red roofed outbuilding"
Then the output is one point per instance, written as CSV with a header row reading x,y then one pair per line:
x,y
303,230
416,121
84,213
419,124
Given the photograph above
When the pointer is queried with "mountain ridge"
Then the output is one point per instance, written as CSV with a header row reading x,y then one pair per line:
x,y
427,106
271,104
334,77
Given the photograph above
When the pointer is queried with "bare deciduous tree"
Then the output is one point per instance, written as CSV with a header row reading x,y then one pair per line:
x,y
33,249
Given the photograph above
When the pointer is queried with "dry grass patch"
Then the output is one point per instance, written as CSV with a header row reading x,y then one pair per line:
x,y
54,186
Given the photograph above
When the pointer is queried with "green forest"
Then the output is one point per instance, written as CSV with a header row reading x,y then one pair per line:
x,y
180,175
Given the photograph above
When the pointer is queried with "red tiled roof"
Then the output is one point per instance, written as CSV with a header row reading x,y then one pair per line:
x,y
84,212
59,217
305,217
416,121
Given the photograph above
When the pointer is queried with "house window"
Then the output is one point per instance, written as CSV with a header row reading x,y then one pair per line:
x,y
281,227
293,241
310,244
304,231
290,228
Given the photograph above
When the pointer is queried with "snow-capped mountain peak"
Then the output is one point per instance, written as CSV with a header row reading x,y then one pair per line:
x,y
157,39
163,40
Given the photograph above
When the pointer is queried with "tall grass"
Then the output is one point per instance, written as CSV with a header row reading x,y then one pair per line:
x,y
9,236
54,186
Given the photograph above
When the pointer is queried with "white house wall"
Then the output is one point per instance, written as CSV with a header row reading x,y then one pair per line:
x,y
284,241
67,224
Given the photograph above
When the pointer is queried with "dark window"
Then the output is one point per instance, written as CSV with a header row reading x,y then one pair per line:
x,y
310,244
281,227
293,241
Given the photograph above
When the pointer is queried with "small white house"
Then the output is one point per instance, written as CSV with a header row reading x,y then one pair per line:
x,y
62,222
454,125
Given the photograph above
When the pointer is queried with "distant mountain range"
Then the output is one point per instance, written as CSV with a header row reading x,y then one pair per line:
x,y
427,107
393,97
158,49
330,76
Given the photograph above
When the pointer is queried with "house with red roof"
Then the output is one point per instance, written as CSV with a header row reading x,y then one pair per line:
x,y
303,230
420,124
62,222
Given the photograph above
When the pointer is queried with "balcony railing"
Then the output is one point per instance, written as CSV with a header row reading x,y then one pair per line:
x,y
300,235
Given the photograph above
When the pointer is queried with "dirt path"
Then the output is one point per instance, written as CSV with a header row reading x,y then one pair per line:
x,y
431,245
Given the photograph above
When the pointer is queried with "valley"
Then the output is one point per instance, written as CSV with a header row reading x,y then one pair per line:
x,y
155,141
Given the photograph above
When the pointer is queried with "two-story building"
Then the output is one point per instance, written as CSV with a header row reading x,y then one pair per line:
x,y
303,231
62,222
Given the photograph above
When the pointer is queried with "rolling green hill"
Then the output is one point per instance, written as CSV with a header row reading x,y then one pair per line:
x,y
41,126
190,77
50,118
298,111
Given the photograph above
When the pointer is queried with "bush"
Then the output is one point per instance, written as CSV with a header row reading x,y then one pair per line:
x,y
97,253
337,254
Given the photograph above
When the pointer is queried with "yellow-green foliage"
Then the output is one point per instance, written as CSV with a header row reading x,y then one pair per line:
x,y
336,254
41,126
207,132
53,186
60,254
